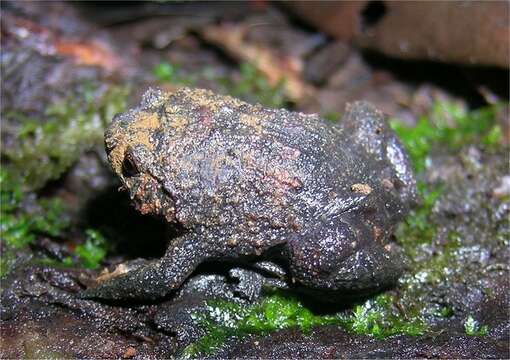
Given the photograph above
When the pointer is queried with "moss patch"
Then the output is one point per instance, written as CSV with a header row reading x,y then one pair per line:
x,y
382,317
473,328
222,320
92,252
19,225
438,248
450,125
23,218
39,150
43,148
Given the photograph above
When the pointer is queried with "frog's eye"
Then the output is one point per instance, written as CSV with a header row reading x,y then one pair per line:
x,y
129,166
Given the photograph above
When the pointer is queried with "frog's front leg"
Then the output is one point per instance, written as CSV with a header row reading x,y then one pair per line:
x,y
150,280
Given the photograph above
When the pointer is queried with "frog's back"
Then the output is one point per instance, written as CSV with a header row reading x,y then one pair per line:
x,y
234,163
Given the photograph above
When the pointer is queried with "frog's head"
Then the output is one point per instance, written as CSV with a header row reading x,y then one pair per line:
x,y
131,142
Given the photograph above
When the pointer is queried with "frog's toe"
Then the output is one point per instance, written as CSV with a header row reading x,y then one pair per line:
x,y
141,282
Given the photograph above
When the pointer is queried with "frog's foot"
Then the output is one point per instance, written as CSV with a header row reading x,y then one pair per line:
x,y
149,280
251,284
140,282
271,268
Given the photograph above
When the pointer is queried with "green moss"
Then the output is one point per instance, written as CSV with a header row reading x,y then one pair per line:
x,y
19,226
40,150
417,228
171,73
66,262
7,260
225,319
92,252
378,317
332,116
436,259
450,125
473,328
251,86
416,234
445,312
447,125
45,147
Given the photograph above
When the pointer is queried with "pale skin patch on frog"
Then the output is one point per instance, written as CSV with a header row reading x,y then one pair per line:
x,y
282,178
174,117
117,154
252,121
285,179
206,98
179,123
291,153
377,232
106,275
170,109
145,120
364,189
142,129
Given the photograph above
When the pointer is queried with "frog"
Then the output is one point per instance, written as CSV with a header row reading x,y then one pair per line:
x,y
246,183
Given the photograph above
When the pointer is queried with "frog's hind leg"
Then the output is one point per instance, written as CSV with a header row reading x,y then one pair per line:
x,y
150,280
335,257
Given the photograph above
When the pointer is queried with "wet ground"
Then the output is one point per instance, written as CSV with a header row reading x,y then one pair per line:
x,y
67,68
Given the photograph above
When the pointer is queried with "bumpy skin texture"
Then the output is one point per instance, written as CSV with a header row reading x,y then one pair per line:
x,y
246,182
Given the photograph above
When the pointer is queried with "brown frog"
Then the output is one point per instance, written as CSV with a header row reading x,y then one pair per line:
x,y
249,183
